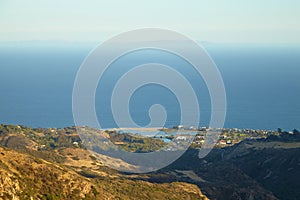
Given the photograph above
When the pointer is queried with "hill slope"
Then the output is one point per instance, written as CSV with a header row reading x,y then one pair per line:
x,y
38,164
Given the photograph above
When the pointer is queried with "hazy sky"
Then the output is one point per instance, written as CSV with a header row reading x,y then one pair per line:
x,y
265,21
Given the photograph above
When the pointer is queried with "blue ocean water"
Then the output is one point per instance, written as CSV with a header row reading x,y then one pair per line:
x,y
262,85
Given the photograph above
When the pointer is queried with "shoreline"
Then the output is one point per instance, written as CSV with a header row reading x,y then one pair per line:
x,y
155,129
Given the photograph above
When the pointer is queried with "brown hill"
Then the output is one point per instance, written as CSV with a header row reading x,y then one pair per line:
x,y
23,176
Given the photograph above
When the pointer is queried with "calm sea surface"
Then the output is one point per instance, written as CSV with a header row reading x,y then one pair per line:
x,y
262,84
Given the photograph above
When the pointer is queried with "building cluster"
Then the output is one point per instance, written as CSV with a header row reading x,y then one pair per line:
x,y
227,136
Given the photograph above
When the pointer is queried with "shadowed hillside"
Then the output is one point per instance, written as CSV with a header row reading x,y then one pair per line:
x,y
253,169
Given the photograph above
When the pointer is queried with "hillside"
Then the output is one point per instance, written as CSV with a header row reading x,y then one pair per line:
x,y
29,170
53,164
252,169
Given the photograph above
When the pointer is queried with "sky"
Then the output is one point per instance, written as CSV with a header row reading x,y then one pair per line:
x,y
255,21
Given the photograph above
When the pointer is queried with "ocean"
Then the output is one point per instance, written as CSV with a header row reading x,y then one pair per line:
x,y
262,83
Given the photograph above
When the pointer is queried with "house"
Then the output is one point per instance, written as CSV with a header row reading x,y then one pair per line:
x,y
75,143
228,142
180,126
181,138
199,137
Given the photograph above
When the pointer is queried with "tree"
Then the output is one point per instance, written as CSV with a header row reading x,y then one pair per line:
x,y
296,132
